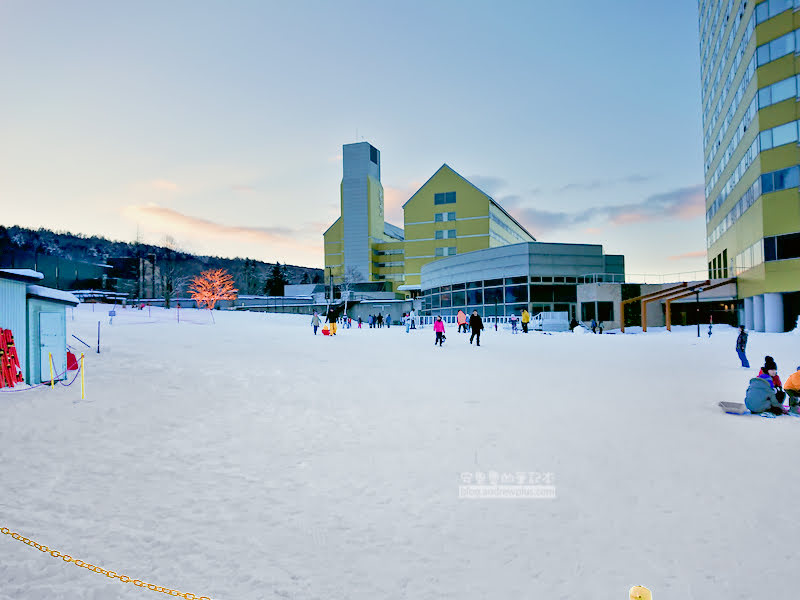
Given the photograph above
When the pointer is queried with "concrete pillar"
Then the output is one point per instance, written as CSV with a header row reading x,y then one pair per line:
x,y
748,313
758,313
773,313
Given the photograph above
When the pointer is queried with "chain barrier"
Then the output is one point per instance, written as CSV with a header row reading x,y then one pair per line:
x,y
94,568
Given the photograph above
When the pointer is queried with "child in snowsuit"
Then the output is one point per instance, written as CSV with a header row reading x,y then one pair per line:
x,y
513,320
741,344
315,322
760,396
438,327
771,365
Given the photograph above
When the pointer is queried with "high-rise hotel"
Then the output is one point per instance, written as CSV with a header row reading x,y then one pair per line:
x,y
750,53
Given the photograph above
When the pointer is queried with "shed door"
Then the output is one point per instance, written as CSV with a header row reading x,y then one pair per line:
x,y
51,340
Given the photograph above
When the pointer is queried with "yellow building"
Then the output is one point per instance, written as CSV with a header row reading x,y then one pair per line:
x,y
448,215
750,89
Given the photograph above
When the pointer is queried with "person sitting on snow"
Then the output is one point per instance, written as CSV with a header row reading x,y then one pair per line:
x,y
771,365
792,389
760,396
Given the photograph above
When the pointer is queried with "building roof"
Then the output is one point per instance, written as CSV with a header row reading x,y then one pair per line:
x,y
393,231
21,274
492,200
39,291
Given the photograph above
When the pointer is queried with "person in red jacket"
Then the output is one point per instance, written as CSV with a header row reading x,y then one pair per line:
x,y
438,327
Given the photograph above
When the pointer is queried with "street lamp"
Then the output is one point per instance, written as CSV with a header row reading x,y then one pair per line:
x,y
697,308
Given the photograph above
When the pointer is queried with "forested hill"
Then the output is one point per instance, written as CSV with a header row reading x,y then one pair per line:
x,y
28,248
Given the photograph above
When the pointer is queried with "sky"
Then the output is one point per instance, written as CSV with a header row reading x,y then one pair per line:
x,y
221,123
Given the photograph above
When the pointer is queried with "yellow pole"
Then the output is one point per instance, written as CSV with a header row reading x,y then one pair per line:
x,y
83,386
51,369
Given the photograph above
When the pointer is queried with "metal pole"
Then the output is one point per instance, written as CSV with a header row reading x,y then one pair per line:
x,y
697,310
98,337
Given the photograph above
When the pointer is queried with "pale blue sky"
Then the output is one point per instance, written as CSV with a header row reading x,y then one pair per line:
x,y
222,122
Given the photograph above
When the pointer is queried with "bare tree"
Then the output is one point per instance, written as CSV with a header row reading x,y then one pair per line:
x,y
351,276
174,277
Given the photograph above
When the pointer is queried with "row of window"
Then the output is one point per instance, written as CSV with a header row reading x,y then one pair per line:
x,y
775,181
473,285
733,145
771,248
441,217
600,311
718,267
396,263
738,97
738,58
446,251
721,36
777,48
447,234
780,135
705,44
499,309
777,92
770,8
505,295
516,236
444,198
389,252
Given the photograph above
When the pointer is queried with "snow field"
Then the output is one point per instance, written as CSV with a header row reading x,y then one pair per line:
x,y
249,459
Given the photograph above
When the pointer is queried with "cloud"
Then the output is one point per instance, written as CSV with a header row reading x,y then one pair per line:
x,y
243,188
597,184
696,254
171,221
489,184
164,185
683,203
335,158
394,198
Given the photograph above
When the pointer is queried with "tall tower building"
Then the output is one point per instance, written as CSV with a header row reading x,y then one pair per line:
x,y
750,90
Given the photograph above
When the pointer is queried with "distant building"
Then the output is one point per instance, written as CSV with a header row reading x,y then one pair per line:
x,y
749,92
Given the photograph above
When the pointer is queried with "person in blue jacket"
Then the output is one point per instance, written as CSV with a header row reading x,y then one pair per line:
x,y
760,396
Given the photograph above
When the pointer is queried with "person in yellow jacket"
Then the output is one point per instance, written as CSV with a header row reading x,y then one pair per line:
x,y
526,318
792,388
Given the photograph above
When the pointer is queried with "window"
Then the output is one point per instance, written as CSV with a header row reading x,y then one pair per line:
x,y
788,246
492,282
471,285
516,280
451,234
587,311
516,293
441,217
605,311
784,134
492,295
474,297
541,293
459,298
373,154
444,198
445,234
446,251
439,235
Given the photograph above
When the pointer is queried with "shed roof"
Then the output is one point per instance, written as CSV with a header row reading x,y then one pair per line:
x,y
21,274
39,291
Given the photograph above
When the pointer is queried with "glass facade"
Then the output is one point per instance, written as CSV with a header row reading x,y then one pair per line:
x,y
503,297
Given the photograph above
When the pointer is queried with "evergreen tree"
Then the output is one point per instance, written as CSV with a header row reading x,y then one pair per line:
x,y
276,281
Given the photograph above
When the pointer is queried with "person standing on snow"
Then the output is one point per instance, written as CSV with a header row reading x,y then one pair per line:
x,y
438,328
741,344
526,318
315,322
513,320
594,326
359,322
461,319
475,325
331,319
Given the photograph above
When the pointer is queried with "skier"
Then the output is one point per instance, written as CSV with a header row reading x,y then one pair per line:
x,y
760,396
438,327
741,343
475,325
461,319
315,322
526,318
792,388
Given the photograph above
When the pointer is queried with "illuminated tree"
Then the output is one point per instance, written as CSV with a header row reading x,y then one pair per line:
x,y
211,286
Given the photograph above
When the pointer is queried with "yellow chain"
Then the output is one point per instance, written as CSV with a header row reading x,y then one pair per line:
x,y
101,571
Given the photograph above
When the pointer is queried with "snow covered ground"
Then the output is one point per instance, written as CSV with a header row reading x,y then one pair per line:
x,y
248,459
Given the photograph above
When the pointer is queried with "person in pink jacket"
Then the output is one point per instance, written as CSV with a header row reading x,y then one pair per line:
x,y
438,327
